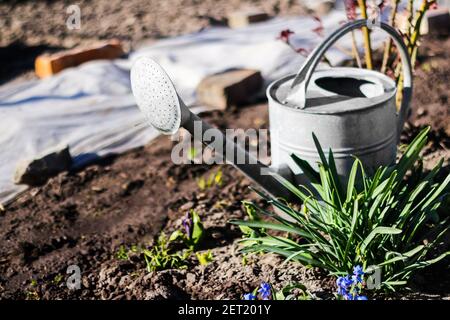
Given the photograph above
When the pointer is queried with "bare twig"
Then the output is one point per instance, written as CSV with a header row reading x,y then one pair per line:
x,y
366,36
355,51
388,46
350,10
412,44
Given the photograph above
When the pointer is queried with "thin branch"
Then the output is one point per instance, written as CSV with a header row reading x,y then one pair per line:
x,y
388,46
412,44
366,36
355,51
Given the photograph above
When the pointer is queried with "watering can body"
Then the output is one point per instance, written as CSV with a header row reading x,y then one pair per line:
x,y
351,111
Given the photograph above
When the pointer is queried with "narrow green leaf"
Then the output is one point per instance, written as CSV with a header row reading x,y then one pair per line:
x,y
309,171
351,181
272,226
403,256
320,151
375,232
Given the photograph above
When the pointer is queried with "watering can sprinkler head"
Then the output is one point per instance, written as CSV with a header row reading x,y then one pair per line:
x,y
157,97
159,101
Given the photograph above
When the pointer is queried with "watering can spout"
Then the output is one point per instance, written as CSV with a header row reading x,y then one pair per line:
x,y
159,101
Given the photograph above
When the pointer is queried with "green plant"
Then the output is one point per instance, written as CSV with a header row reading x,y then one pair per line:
x,y
160,255
122,253
252,216
287,293
32,293
193,230
166,252
388,220
192,153
57,279
214,178
204,258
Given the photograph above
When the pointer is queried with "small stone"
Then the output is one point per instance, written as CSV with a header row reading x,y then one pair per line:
x,y
190,278
188,205
147,278
447,130
230,273
131,186
421,111
85,282
102,275
37,171
124,281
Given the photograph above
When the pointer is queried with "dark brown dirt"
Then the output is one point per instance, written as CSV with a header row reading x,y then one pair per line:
x,y
83,217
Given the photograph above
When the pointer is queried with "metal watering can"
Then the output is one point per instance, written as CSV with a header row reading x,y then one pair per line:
x,y
350,110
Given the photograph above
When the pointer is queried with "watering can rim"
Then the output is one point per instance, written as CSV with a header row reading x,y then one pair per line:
x,y
379,100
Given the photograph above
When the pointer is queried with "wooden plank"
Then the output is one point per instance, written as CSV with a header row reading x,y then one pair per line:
x,y
49,64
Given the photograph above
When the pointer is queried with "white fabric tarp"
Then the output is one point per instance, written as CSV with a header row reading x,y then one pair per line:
x,y
91,107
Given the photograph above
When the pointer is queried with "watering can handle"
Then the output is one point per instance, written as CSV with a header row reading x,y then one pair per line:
x,y
301,81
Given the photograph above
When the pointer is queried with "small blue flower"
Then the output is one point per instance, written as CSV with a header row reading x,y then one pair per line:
x,y
265,290
340,282
249,296
357,279
358,271
348,282
357,274
342,291
187,224
357,289
350,296
344,282
350,287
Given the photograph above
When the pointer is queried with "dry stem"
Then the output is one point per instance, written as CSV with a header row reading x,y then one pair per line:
x,y
388,46
366,36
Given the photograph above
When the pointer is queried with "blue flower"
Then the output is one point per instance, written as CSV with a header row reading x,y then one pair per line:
x,y
350,287
357,274
358,271
357,279
265,290
347,282
187,224
249,296
342,291
344,284
350,296
340,282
